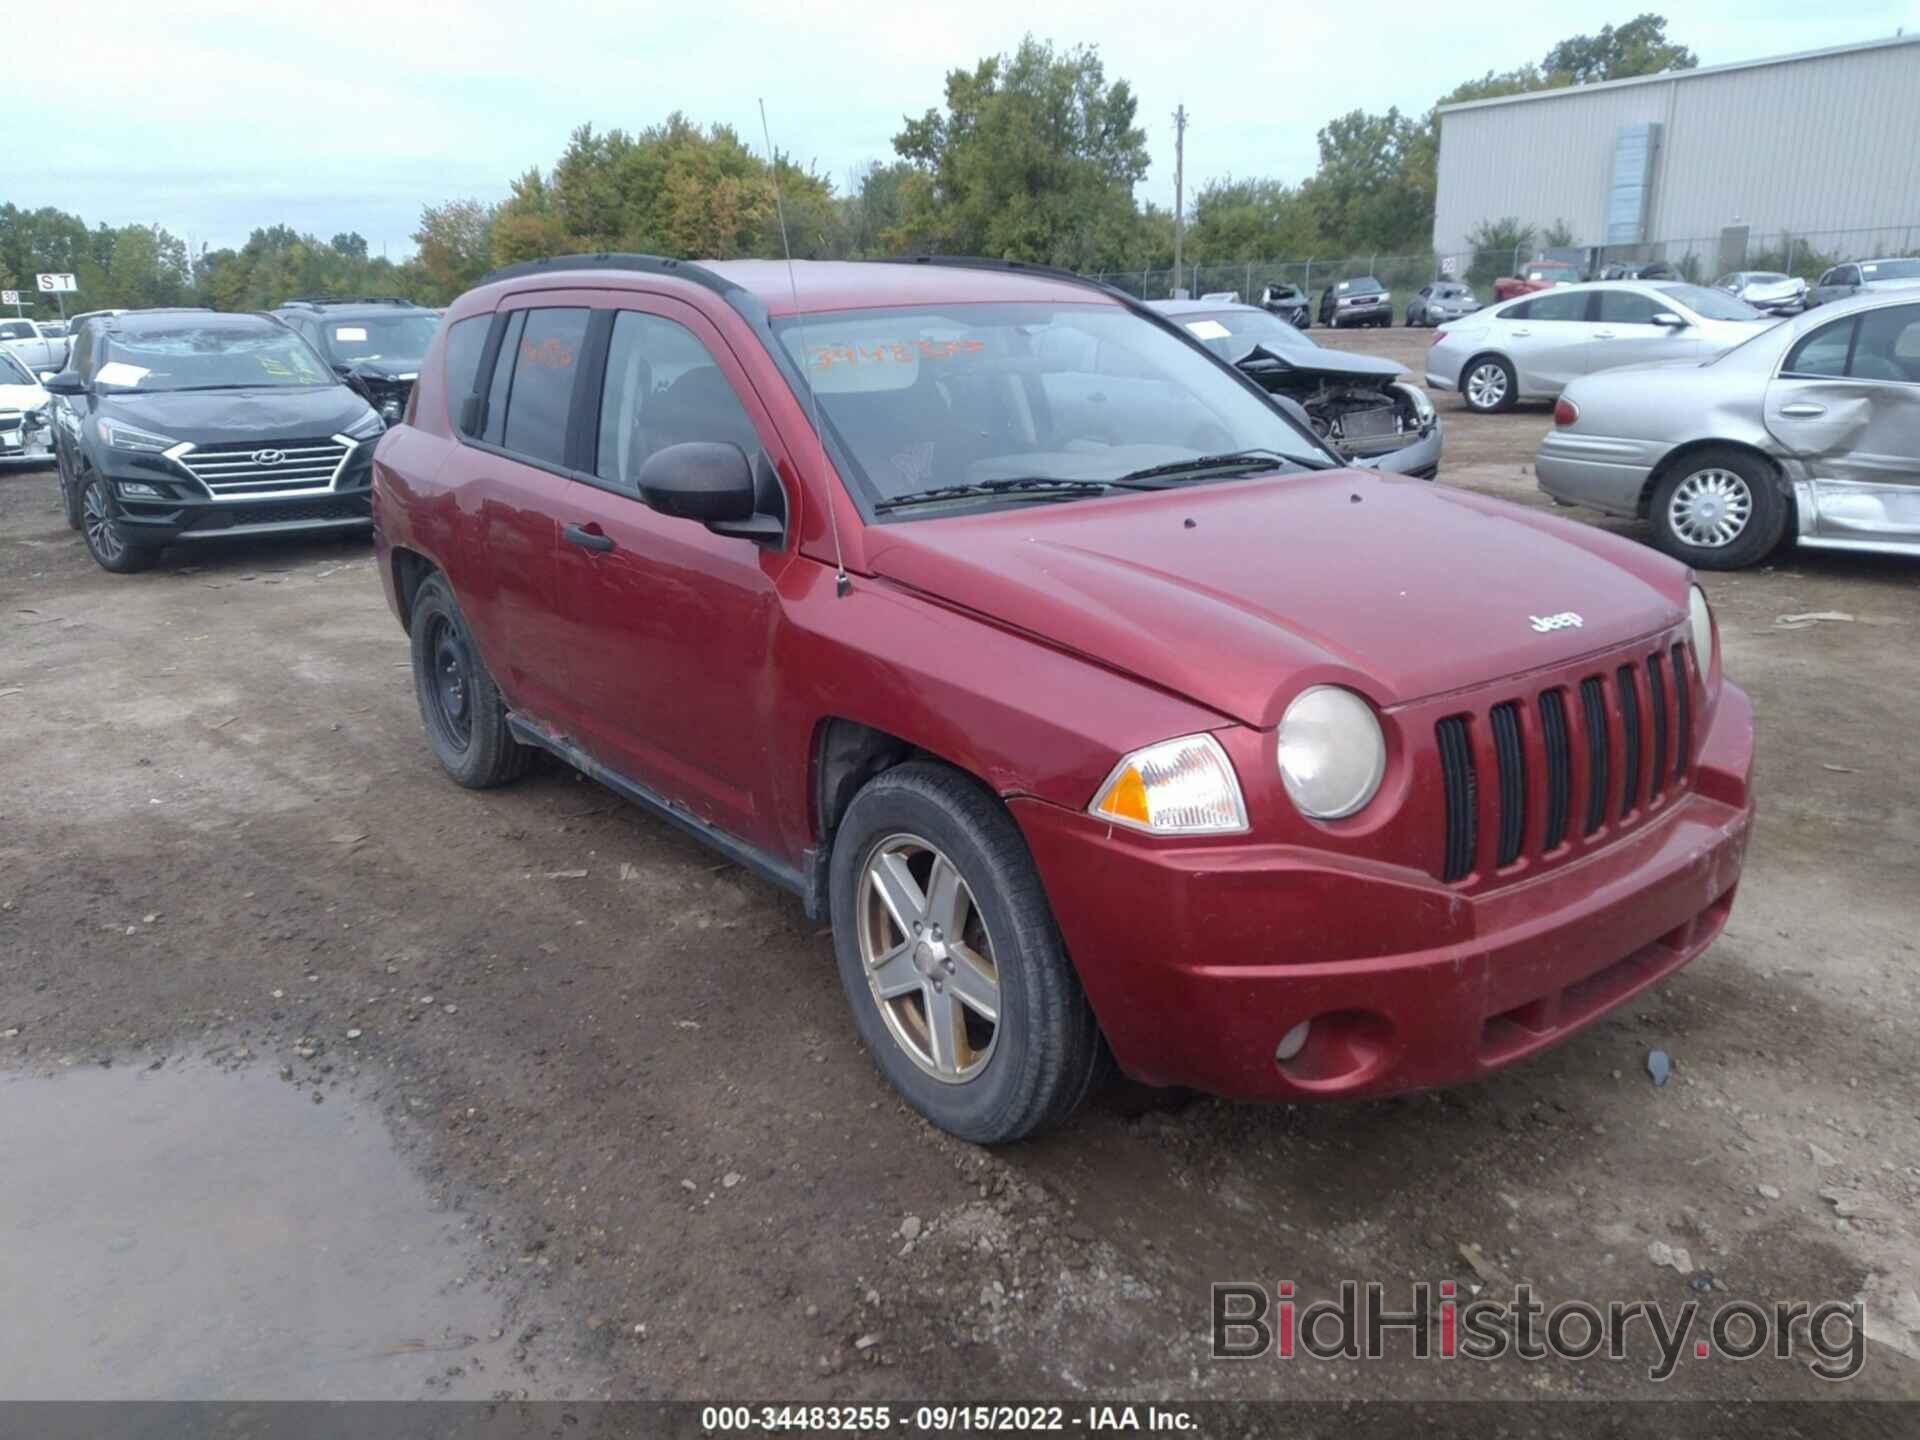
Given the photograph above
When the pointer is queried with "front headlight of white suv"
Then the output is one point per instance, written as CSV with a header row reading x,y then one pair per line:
x,y
1331,751
1701,619
1178,787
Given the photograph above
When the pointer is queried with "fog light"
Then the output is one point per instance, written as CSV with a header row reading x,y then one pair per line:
x,y
134,490
1293,1042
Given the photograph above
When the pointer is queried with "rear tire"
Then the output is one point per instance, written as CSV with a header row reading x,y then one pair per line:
x,y
101,531
460,708
915,834
1722,509
1488,385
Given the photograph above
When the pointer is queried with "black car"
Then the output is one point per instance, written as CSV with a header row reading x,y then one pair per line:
x,y
1290,303
188,425
1360,301
374,342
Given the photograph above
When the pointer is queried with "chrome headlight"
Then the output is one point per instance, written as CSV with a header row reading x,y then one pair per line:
x,y
1701,619
1331,752
1178,787
366,427
1422,407
118,435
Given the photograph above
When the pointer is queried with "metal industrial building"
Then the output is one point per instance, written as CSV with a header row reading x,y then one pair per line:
x,y
1822,146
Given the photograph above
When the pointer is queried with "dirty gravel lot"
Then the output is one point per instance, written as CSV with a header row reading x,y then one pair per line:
x,y
635,1105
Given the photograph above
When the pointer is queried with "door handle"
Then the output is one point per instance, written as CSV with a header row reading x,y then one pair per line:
x,y
1603,334
1803,409
1523,332
587,539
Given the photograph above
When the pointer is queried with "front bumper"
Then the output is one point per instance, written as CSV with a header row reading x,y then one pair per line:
x,y
1419,458
19,443
186,512
1184,950
1362,314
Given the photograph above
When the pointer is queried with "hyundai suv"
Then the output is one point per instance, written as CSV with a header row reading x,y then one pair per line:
x,y
1093,699
374,343
180,426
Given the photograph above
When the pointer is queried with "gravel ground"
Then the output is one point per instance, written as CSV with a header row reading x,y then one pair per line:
x,y
638,1088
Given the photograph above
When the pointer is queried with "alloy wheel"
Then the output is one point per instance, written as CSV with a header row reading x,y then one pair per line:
x,y
928,958
1487,386
101,532
1710,508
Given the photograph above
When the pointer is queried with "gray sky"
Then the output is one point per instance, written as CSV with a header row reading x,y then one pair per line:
x,y
211,117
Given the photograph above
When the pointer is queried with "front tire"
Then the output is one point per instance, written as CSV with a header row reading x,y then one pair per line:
x,y
1488,385
951,961
460,708
1720,510
69,492
101,531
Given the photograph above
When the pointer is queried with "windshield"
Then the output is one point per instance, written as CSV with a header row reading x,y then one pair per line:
x,y
1764,277
211,353
1710,304
13,372
379,337
967,394
1891,269
1230,334
1359,287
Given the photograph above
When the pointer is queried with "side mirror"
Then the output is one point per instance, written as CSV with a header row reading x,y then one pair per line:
x,y
1667,320
62,382
718,486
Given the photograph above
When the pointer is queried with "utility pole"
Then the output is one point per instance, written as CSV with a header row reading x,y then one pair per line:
x,y
1179,190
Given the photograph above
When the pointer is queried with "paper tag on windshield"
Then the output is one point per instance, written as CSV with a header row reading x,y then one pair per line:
x,y
350,332
1208,330
118,372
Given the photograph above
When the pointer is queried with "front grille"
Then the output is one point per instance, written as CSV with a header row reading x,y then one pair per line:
x,y
239,470
1463,803
1540,768
287,512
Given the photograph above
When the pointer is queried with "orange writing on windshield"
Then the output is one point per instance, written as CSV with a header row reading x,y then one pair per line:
x,y
888,352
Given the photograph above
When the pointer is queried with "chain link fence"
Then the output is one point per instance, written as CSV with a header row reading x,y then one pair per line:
x,y
1701,259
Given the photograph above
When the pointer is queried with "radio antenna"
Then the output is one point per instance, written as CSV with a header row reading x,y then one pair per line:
x,y
842,582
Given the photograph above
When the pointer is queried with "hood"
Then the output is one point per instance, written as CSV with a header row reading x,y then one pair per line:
x,y
23,397
223,417
1237,594
389,368
1268,367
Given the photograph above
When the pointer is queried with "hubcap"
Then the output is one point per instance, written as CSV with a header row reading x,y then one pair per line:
x,y
928,958
452,682
101,534
1710,508
1487,386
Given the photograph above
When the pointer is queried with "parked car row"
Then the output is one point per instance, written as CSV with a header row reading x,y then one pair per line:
x,y
25,413
34,343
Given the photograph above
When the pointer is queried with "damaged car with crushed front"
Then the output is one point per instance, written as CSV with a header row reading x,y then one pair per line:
x,y
1100,708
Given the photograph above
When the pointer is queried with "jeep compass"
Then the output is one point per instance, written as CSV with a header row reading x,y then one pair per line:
x,y
1089,695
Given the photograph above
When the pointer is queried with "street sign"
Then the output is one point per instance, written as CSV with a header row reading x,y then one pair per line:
x,y
50,284
9,297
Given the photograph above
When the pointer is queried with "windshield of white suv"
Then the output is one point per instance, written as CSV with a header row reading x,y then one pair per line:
x,y
13,371
1710,304
1230,334
207,353
975,396
379,337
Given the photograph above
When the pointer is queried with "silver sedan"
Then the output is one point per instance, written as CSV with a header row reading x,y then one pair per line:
x,y
1814,426
1532,347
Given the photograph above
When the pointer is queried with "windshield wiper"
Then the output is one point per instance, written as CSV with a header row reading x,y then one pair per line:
x,y
1239,459
1038,486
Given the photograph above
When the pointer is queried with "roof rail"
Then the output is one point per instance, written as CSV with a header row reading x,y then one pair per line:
x,y
613,260
318,300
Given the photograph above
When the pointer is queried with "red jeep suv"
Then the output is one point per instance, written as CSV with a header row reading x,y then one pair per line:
x,y
1089,695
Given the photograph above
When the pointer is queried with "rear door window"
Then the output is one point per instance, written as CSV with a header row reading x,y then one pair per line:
x,y
1625,307
1822,352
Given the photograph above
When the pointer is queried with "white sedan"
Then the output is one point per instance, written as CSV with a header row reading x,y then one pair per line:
x,y
1533,347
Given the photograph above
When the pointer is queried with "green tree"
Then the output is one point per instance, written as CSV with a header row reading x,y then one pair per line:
x,y
1374,188
1250,220
454,247
1498,246
1639,47
351,244
1034,157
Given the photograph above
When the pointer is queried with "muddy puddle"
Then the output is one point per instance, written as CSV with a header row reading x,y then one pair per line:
x,y
190,1232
